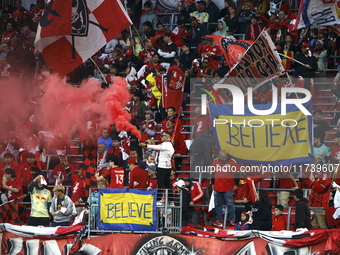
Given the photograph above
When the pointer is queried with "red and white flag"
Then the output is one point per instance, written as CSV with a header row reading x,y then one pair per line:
x,y
71,31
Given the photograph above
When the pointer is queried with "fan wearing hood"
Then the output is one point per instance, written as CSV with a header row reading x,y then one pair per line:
x,y
222,28
130,78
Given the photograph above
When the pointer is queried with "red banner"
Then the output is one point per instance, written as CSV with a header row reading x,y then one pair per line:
x,y
259,64
173,88
232,49
129,244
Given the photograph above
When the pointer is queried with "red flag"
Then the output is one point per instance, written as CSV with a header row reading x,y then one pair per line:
x,y
232,49
53,21
89,166
92,26
9,212
255,67
173,88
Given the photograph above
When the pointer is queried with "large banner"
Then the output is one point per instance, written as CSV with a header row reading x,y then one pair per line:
x,y
318,13
127,209
259,64
264,139
264,243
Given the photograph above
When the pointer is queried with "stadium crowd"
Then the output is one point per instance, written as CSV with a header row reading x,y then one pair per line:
x,y
160,158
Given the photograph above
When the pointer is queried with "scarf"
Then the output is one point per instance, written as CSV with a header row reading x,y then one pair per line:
x,y
252,31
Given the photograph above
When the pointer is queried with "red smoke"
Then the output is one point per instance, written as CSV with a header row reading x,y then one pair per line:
x,y
67,111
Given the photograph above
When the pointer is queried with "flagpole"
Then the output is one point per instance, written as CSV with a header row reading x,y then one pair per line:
x,y
292,59
125,5
290,80
95,64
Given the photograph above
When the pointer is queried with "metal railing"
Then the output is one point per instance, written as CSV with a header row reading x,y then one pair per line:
x,y
289,214
169,214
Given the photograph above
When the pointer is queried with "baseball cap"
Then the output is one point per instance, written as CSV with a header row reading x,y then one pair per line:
x,y
132,161
305,45
128,52
149,112
284,7
178,57
180,184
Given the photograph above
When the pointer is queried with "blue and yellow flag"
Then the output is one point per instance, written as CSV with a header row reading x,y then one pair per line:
x,y
264,139
127,209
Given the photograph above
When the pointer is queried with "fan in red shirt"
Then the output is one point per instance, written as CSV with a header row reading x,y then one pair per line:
x,y
63,171
200,47
224,186
196,193
148,126
180,33
152,179
9,33
154,64
335,152
245,194
146,54
213,52
115,173
265,95
279,221
10,163
119,59
13,185
116,148
205,70
37,12
78,187
139,178
25,170
178,142
159,35
171,114
19,12
319,197
201,123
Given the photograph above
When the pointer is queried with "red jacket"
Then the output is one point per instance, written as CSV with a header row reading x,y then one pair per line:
x,y
225,181
26,174
319,195
139,178
279,223
60,169
178,142
196,193
78,188
117,152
